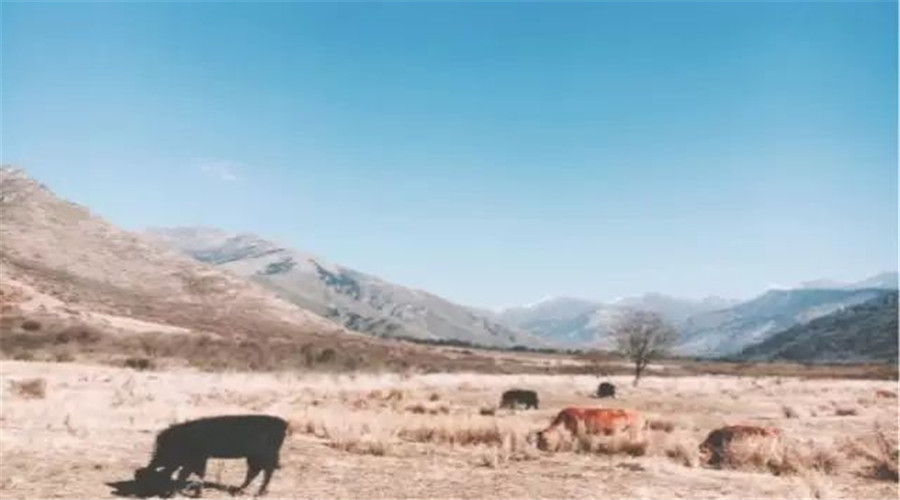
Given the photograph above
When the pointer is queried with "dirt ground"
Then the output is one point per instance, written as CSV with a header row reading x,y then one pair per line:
x,y
392,436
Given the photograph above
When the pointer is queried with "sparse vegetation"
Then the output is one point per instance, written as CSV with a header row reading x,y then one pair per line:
x,y
880,451
846,411
361,421
139,363
789,411
31,325
32,388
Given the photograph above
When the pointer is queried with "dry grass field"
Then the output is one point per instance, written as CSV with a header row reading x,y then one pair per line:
x,y
68,429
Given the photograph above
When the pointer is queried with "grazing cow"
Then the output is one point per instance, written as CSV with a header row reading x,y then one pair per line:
x,y
514,397
716,449
188,446
605,421
606,390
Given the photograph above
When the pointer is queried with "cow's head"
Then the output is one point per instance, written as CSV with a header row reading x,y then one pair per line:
x,y
151,482
711,448
547,439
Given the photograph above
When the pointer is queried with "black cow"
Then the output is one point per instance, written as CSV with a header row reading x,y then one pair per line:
x,y
188,446
606,390
513,397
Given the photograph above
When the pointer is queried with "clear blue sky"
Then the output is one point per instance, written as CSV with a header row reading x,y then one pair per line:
x,y
490,153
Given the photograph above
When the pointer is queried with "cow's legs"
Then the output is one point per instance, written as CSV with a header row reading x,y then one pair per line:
x,y
267,476
197,466
253,469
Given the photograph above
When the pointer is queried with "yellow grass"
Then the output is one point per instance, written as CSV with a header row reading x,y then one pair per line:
x,y
356,438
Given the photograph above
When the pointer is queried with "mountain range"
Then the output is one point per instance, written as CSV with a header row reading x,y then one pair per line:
x,y
728,331
710,327
354,299
58,257
863,332
60,262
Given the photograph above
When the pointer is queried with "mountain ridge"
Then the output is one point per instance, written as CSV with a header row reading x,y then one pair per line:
x,y
860,333
357,300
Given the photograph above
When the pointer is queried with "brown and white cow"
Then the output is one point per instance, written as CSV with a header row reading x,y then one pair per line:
x,y
603,421
717,450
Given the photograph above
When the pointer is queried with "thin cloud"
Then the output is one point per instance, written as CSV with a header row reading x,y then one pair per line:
x,y
223,170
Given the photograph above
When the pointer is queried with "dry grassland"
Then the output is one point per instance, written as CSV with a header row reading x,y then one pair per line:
x,y
440,435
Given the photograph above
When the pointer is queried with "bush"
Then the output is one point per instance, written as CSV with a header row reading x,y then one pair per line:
x,y
880,451
789,412
846,412
661,425
31,325
139,363
64,357
33,388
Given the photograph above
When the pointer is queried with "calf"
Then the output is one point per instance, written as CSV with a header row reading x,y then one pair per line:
x,y
606,390
513,397
188,446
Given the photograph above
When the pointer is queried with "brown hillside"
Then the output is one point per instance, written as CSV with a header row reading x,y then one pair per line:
x,y
58,259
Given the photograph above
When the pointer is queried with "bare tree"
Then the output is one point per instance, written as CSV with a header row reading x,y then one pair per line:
x,y
642,336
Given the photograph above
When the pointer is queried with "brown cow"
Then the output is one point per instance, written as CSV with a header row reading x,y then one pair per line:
x,y
604,421
716,449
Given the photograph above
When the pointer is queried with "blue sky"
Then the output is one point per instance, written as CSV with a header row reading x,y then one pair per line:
x,y
490,153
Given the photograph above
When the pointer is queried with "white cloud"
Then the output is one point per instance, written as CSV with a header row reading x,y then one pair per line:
x,y
223,170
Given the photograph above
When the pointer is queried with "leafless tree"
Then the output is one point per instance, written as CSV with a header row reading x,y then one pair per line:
x,y
642,336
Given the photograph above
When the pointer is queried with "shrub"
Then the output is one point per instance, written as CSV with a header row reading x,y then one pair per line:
x,y
31,325
64,357
139,363
846,411
32,388
661,425
682,453
23,356
879,450
789,412
83,334
417,408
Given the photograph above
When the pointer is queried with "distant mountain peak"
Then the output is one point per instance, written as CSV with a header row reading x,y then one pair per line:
x,y
884,280
357,300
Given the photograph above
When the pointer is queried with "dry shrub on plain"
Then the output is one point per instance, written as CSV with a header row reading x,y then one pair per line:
x,y
661,425
789,411
32,388
453,434
514,447
487,411
679,446
846,411
880,452
794,458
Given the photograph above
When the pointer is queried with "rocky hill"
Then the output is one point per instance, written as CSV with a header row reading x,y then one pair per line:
x,y
728,331
860,333
59,260
356,300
